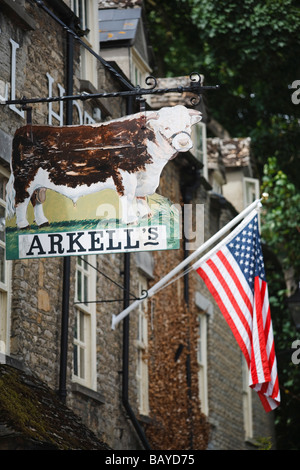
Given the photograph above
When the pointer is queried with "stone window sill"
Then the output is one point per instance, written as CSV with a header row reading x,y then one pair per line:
x,y
88,87
145,419
88,393
19,14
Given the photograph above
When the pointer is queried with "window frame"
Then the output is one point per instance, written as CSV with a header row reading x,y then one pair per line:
x,y
199,149
5,285
84,341
141,343
88,23
250,190
139,70
247,402
202,362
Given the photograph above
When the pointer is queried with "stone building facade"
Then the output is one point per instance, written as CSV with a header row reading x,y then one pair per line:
x,y
179,385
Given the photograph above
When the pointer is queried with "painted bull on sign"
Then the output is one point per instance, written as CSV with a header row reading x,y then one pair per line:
x,y
126,155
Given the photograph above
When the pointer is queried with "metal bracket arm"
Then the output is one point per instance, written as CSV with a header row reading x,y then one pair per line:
x,y
195,88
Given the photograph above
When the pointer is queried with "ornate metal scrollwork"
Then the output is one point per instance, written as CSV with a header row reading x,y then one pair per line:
x,y
196,77
144,295
148,81
195,87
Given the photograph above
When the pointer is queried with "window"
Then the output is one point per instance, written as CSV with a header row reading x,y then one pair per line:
x,y
84,346
80,8
139,71
142,350
250,190
5,268
202,362
199,149
87,12
247,401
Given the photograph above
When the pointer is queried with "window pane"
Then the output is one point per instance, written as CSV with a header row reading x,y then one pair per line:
x,y
3,181
85,289
75,7
199,352
139,329
2,265
2,223
81,363
75,359
76,327
81,327
79,282
85,264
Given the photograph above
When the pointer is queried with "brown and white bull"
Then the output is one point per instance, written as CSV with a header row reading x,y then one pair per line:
x,y
126,155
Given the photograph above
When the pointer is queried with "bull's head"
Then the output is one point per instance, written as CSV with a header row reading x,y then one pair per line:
x,y
174,124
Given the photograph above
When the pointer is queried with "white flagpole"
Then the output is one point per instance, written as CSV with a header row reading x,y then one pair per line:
x,y
117,318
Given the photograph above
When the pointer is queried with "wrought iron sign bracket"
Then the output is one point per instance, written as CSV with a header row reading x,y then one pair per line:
x,y
195,88
144,293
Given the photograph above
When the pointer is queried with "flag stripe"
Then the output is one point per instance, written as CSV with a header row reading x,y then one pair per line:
x,y
225,295
259,336
232,324
234,275
244,293
263,318
244,290
272,390
228,272
227,292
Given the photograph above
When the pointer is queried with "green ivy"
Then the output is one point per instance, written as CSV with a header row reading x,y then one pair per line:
x,y
281,216
247,47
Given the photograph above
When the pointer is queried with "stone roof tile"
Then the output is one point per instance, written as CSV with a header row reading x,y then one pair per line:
x,y
33,417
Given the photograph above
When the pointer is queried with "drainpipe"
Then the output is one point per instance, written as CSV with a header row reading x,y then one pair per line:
x,y
62,392
125,371
187,190
187,193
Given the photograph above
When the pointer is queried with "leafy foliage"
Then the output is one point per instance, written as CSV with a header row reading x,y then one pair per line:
x,y
281,220
248,48
281,231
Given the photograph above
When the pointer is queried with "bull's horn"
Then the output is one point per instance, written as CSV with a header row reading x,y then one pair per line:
x,y
152,115
194,112
195,116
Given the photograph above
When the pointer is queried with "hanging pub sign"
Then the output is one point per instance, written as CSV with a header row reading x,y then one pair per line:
x,y
91,189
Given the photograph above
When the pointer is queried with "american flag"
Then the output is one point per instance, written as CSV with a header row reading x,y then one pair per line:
x,y
234,273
